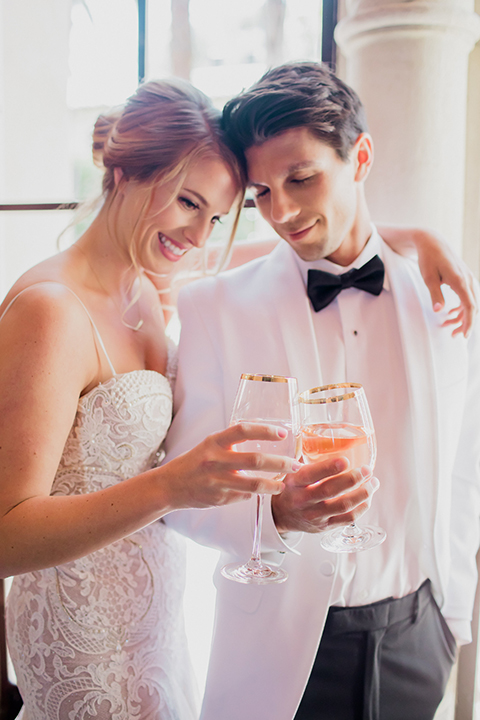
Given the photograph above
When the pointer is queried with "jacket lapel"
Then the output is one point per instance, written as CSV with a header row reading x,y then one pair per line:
x,y
290,305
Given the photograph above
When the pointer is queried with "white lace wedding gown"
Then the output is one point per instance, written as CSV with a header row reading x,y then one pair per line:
x,y
103,637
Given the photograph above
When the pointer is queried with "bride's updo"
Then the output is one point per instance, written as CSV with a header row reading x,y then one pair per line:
x,y
162,130
159,132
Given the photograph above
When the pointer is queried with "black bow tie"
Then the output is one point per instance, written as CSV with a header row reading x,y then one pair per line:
x,y
323,287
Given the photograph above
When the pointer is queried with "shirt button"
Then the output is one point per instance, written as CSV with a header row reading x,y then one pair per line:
x,y
363,595
327,568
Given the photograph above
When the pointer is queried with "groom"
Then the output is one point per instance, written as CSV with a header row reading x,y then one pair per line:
x,y
371,635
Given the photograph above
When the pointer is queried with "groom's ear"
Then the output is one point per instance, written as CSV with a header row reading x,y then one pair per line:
x,y
362,156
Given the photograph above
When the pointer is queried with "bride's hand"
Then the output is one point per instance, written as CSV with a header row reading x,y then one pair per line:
x,y
439,265
209,474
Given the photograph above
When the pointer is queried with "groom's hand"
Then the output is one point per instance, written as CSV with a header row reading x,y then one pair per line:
x,y
323,495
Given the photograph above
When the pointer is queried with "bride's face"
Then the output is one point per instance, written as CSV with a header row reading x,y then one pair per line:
x,y
178,220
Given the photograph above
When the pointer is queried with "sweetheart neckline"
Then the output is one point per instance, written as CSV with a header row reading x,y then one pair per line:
x,y
119,376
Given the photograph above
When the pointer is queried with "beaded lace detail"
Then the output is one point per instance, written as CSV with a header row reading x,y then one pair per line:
x,y
102,637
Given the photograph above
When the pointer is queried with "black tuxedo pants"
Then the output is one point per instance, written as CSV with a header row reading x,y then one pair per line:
x,y
386,661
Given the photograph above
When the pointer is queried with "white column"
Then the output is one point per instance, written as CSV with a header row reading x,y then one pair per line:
x,y
408,60
471,235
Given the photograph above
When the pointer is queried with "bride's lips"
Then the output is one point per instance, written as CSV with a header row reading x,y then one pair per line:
x,y
299,234
171,249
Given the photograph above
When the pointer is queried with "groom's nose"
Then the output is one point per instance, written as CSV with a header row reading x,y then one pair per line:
x,y
283,207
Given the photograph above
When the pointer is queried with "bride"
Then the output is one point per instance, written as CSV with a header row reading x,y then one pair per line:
x,y
94,619
85,402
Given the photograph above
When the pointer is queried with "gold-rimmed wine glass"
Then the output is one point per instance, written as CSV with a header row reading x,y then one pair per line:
x,y
335,422
272,400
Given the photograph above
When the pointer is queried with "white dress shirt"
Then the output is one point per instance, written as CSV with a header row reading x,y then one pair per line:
x,y
359,341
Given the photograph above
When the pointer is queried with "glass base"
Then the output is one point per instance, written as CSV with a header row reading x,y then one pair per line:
x,y
352,539
254,571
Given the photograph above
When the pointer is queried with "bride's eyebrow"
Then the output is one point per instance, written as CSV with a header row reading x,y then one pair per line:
x,y
197,195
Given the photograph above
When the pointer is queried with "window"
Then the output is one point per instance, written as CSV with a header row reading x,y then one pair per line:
x,y
63,63
71,61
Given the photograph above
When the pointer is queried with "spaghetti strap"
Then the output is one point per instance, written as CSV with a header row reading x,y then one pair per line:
x,y
53,282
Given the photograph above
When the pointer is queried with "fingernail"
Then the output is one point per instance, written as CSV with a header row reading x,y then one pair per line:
x,y
281,432
366,471
296,466
438,306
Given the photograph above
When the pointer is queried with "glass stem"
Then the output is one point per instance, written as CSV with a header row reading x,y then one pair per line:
x,y
351,531
257,538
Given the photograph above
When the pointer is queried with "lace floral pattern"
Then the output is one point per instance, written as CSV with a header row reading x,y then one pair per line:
x,y
102,637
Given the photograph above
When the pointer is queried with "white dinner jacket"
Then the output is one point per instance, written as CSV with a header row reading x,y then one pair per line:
x,y
257,319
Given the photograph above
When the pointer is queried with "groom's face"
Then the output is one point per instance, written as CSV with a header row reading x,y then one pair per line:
x,y
307,193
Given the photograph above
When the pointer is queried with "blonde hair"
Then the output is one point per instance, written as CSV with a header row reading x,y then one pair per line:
x,y
160,132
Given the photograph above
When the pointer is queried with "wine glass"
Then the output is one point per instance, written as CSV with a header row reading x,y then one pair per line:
x,y
336,422
271,399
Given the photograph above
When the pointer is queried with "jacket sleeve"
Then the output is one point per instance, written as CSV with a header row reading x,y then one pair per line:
x,y
199,410
465,504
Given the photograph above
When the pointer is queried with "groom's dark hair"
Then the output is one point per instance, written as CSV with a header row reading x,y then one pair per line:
x,y
300,94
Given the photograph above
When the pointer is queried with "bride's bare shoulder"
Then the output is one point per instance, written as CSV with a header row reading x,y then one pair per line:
x,y
41,301
49,279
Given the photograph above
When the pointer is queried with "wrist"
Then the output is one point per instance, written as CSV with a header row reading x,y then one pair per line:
x,y
280,526
275,540
159,493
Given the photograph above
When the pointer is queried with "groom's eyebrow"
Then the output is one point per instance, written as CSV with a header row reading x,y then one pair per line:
x,y
300,166
289,171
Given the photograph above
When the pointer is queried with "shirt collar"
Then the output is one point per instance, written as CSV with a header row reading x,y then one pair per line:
x,y
373,247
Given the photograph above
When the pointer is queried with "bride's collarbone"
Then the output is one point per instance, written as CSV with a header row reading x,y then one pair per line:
x,y
131,350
